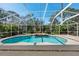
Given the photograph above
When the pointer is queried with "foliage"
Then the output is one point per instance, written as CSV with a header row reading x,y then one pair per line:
x,y
31,24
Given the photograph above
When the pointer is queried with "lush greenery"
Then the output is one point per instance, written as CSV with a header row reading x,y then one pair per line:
x,y
31,24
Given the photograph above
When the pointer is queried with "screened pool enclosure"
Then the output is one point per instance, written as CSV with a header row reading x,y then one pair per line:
x,y
30,18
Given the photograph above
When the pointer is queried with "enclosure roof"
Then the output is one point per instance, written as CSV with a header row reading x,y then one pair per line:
x,y
43,11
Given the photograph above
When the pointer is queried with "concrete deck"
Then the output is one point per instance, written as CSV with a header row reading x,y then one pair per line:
x,y
38,53
71,40
71,47
40,50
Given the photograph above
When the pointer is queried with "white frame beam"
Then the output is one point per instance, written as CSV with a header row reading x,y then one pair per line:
x,y
10,15
45,10
77,29
69,18
71,12
7,16
61,12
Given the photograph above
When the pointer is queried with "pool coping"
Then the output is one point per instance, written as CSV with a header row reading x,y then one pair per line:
x,y
40,43
39,46
24,43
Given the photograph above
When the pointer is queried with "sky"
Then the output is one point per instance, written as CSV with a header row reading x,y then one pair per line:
x,y
17,7
36,8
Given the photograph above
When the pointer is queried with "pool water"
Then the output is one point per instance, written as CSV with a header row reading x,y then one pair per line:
x,y
35,39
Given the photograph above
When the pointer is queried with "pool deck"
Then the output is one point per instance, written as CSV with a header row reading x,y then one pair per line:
x,y
71,40
38,53
71,47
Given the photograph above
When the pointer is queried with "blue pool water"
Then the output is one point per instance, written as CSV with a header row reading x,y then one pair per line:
x,y
34,39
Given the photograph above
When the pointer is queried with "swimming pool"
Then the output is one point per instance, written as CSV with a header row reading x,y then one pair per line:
x,y
34,39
